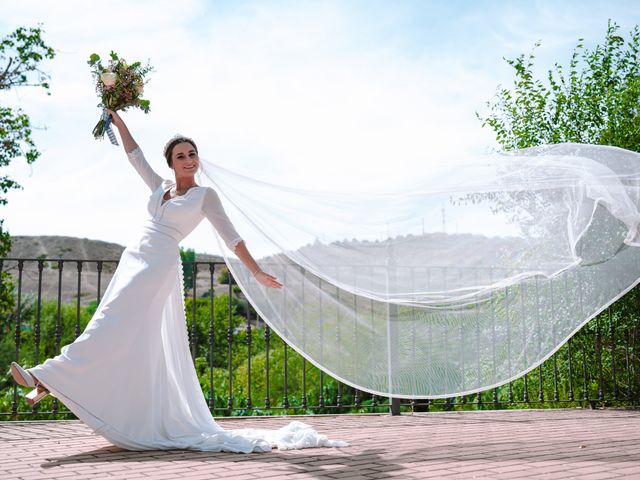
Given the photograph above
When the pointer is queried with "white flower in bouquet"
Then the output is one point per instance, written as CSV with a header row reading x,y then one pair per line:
x,y
108,79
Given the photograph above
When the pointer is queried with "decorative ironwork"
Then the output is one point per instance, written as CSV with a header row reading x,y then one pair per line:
x,y
598,366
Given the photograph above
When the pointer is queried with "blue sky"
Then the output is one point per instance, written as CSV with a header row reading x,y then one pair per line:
x,y
302,93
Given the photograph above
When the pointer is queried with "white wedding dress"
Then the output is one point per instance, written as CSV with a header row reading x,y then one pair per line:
x,y
130,375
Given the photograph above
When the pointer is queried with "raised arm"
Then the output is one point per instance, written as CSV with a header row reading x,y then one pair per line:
x,y
214,211
135,155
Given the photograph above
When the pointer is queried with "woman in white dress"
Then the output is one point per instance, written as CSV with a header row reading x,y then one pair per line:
x,y
130,375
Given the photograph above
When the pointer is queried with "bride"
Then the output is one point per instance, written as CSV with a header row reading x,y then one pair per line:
x,y
130,376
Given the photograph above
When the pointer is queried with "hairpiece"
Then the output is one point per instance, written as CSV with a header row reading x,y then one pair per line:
x,y
173,140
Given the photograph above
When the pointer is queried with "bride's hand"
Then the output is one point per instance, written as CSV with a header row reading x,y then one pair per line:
x,y
115,118
267,280
128,142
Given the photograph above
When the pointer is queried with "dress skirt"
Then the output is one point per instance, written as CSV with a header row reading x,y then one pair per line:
x,y
130,375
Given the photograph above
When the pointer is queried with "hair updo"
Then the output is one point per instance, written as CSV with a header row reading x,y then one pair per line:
x,y
173,141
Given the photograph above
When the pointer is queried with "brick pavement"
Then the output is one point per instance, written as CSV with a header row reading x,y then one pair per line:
x,y
532,444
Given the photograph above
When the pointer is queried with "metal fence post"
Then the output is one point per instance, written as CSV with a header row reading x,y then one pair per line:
x,y
394,406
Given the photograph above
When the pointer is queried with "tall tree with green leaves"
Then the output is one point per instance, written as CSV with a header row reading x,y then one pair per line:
x,y
21,55
594,99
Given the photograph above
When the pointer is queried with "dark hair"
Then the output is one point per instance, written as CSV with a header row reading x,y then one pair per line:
x,y
168,149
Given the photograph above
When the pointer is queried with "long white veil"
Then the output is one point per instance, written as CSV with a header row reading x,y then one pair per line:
x,y
379,296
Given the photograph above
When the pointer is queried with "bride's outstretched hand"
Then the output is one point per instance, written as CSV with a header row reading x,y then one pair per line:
x,y
267,280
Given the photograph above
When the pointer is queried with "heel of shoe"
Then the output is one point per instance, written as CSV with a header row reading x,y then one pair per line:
x,y
35,395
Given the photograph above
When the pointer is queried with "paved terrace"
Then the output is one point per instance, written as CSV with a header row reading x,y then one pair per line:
x,y
532,444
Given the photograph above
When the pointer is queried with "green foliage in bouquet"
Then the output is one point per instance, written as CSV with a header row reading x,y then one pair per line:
x,y
119,85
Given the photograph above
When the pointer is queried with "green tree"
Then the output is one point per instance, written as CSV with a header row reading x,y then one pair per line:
x,y
223,277
220,321
21,53
594,99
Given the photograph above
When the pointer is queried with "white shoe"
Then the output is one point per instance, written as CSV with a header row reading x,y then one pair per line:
x,y
21,376
24,378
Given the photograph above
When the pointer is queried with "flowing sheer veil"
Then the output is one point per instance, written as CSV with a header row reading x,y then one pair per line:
x,y
378,295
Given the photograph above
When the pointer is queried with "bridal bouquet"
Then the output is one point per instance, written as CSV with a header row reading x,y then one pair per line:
x,y
119,86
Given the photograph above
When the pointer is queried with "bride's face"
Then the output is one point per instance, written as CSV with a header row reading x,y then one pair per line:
x,y
184,160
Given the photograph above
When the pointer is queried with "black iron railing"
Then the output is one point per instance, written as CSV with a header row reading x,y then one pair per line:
x,y
245,369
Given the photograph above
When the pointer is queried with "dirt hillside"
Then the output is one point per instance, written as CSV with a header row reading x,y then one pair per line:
x,y
72,249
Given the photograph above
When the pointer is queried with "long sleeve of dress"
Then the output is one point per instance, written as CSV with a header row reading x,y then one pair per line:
x,y
212,209
150,177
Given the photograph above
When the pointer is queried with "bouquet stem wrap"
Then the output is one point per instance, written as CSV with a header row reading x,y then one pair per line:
x,y
105,122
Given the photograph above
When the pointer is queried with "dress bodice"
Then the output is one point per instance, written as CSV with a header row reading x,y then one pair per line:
x,y
183,213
